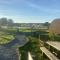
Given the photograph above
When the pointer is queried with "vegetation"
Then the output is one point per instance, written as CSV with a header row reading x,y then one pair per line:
x,y
54,37
5,38
5,22
47,24
34,35
33,46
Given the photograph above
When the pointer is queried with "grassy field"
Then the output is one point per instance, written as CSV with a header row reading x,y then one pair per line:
x,y
5,38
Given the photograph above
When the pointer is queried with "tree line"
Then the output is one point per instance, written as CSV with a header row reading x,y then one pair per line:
x,y
9,22
4,21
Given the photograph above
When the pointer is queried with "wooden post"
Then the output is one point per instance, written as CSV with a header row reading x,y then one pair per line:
x,y
42,53
49,47
42,56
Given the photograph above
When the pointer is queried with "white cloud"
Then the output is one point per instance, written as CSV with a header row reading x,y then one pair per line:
x,y
44,9
10,1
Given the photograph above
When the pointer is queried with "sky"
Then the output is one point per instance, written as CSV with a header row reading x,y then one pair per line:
x,y
30,11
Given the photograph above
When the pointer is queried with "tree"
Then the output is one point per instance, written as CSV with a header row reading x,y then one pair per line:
x,y
6,22
3,21
10,22
47,24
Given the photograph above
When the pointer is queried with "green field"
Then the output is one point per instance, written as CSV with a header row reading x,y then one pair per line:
x,y
5,38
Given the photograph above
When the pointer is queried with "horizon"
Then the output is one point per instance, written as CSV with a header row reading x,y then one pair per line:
x,y
30,11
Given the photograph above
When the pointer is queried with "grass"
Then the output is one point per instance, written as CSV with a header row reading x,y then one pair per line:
x,y
25,30
5,38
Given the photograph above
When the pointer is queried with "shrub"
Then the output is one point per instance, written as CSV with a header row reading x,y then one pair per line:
x,y
54,37
44,37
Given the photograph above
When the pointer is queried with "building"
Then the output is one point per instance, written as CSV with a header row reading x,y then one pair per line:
x,y
55,26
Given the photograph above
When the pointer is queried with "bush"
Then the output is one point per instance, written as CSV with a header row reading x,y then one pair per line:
x,y
57,38
51,36
44,37
54,37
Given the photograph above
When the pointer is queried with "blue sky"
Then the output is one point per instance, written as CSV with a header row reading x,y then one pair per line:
x,y
30,11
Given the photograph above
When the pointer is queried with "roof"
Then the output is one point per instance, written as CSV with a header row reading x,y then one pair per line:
x,y
55,26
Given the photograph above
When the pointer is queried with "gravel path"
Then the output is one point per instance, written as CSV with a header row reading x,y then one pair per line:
x,y
10,51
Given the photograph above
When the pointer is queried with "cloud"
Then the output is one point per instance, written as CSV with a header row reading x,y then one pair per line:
x,y
54,0
4,2
43,8
10,1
